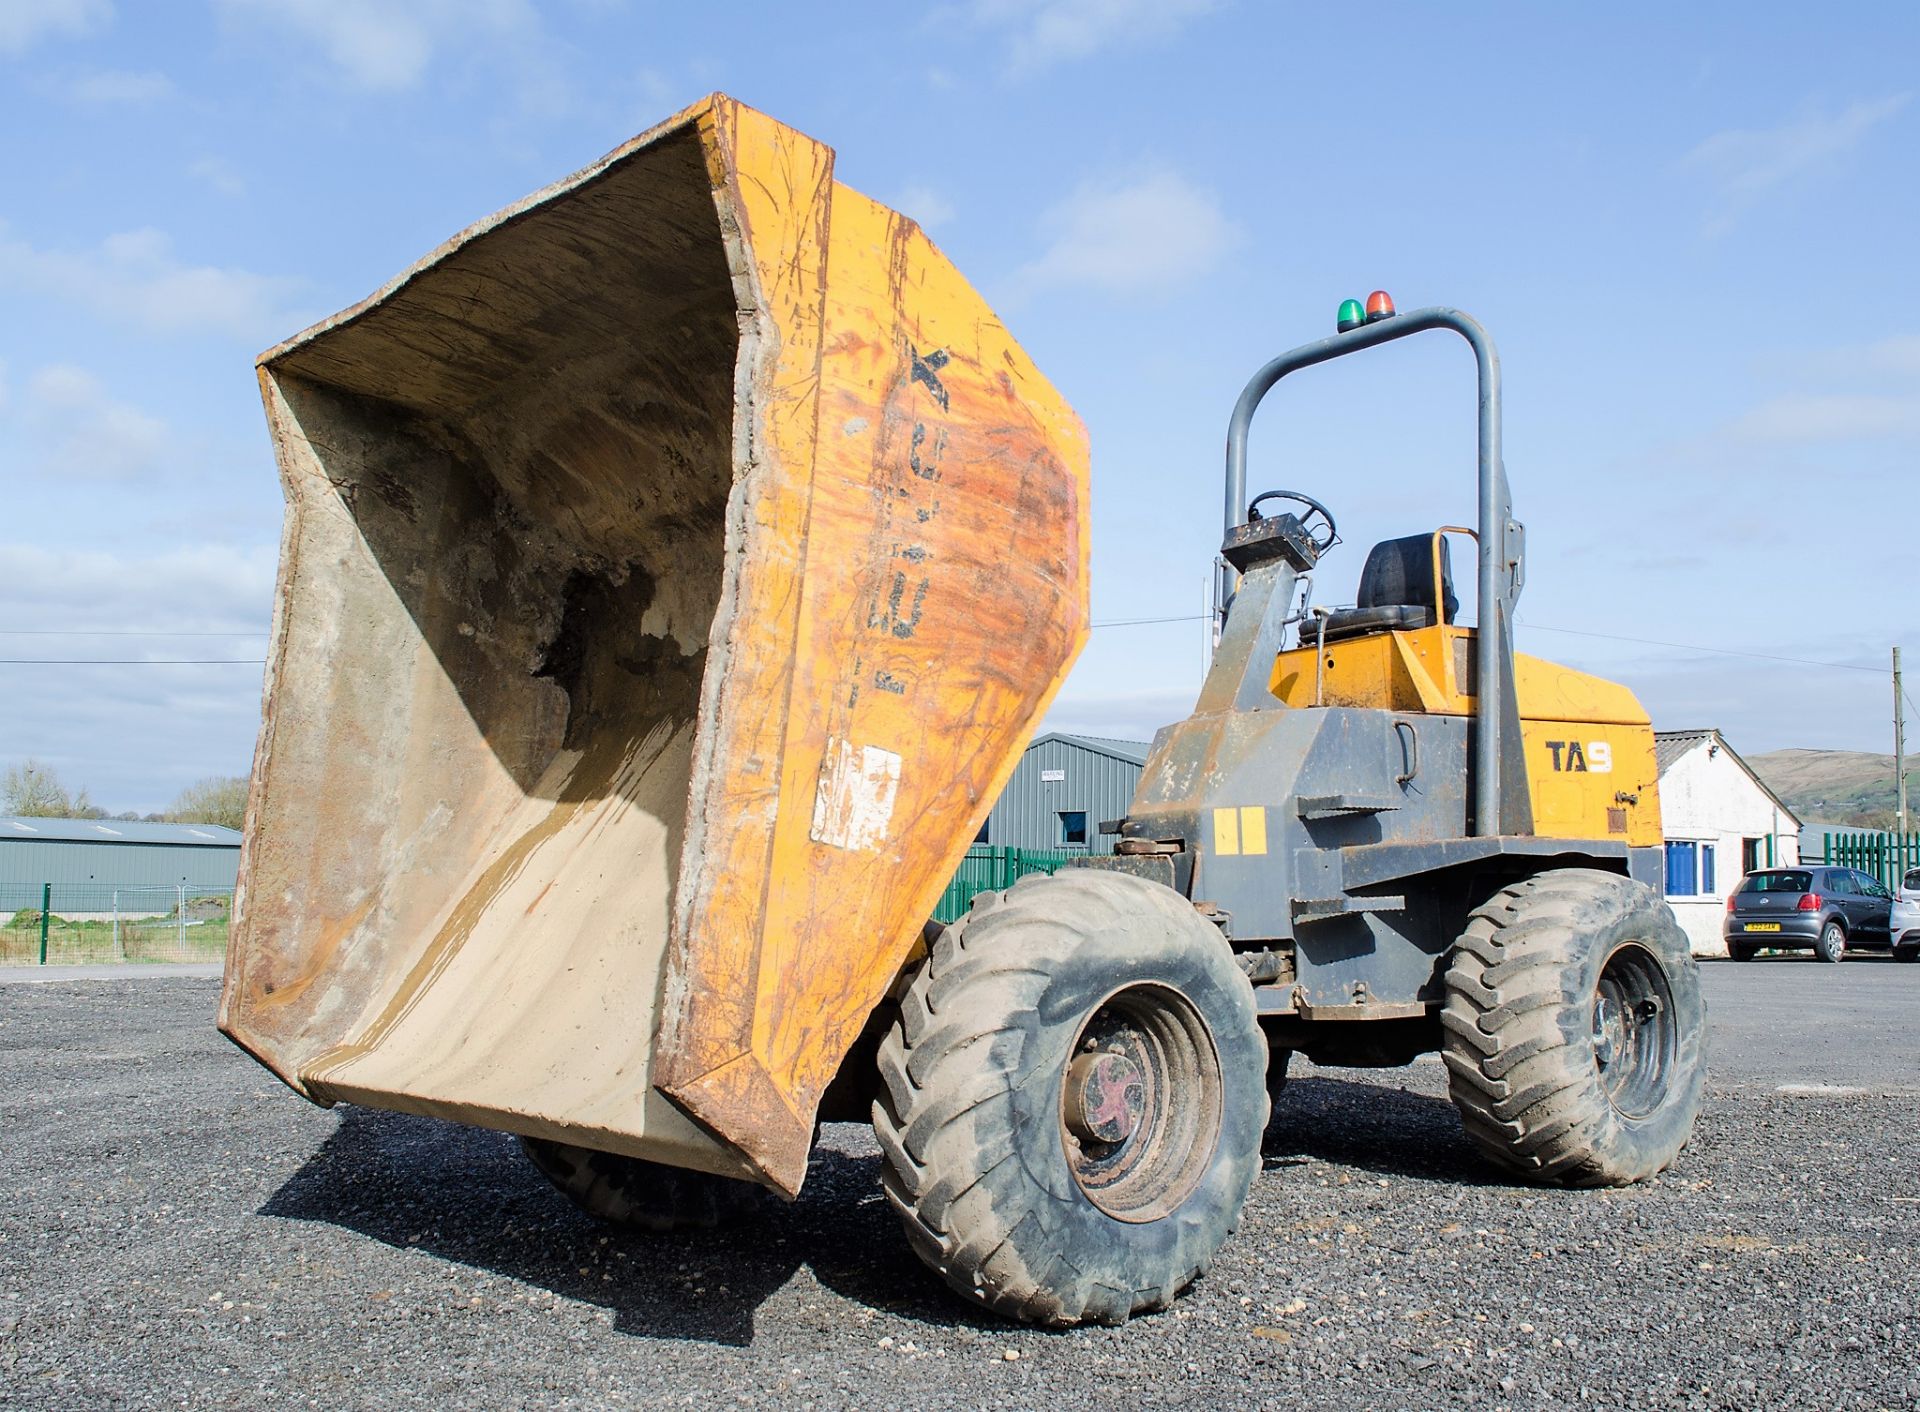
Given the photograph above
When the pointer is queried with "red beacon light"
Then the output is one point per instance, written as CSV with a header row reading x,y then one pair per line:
x,y
1379,306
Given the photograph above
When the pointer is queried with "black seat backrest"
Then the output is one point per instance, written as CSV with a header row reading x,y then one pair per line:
x,y
1399,574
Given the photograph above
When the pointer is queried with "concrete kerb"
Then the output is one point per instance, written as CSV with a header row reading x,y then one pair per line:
x,y
117,971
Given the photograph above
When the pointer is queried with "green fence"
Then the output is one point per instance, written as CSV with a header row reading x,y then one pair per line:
x,y
1887,856
991,869
65,924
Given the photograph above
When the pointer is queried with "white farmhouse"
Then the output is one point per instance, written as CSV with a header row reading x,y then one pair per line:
x,y
1720,822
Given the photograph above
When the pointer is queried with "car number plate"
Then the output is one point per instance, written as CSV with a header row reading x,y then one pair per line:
x,y
1763,926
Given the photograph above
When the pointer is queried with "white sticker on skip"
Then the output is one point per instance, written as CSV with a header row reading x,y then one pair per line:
x,y
854,803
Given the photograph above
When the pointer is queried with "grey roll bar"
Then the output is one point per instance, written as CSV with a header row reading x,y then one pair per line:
x,y
1494,714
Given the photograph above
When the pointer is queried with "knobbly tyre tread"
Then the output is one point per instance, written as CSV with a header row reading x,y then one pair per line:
x,y
640,1195
1517,1039
970,1176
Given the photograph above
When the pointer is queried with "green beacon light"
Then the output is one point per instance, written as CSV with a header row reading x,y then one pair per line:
x,y
1351,315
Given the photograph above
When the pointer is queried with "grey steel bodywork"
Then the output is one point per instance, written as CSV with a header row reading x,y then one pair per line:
x,y
1382,830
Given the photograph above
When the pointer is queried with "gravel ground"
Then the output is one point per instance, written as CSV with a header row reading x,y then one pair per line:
x,y
178,1230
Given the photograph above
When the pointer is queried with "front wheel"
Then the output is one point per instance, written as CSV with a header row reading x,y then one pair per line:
x,y
1832,945
1073,1098
1574,1030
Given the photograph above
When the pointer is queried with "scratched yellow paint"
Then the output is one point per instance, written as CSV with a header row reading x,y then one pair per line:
x,y
921,511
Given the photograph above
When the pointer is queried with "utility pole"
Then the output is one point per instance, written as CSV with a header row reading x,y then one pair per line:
x,y
1899,751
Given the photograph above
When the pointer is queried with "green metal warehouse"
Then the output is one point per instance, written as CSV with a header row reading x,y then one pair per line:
x,y
64,852
1062,790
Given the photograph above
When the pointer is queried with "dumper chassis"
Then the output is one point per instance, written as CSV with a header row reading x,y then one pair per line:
x,y
674,566
1360,882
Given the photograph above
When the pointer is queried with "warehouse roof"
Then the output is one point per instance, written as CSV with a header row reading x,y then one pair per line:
x,y
1134,752
118,831
1669,746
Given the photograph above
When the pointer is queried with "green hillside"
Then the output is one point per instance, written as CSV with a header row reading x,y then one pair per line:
x,y
1838,786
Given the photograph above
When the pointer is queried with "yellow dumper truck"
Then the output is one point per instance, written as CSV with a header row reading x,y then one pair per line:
x,y
676,564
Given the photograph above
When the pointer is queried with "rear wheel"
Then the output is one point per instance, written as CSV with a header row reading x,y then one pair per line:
x,y
1906,953
1832,945
637,1194
1575,1031
1073,1099
1740,953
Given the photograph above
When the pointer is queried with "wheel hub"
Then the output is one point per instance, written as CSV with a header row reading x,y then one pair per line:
x,y
1635,1038
1141,1099
1106,1094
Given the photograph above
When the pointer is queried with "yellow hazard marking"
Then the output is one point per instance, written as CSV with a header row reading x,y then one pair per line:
x,y
1226,832
1253,828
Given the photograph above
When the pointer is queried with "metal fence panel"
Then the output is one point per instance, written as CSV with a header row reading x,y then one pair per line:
x,y
1888,856
64,924
994,869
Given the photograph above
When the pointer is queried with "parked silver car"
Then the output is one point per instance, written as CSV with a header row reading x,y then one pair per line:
x,y
1904,924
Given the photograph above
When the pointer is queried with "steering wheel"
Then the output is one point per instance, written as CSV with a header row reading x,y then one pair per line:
x,y
1321,541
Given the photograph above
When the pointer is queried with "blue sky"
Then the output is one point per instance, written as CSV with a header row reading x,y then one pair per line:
x,y
1690,228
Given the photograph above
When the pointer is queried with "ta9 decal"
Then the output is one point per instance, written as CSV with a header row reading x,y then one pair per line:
x,y
1595,757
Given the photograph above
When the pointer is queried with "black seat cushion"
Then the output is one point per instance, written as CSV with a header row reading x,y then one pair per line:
x,y
1389,617
1396,590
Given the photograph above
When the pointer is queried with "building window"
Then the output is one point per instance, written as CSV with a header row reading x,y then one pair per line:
x,y
1706,868
986,826
1683,868
1073,827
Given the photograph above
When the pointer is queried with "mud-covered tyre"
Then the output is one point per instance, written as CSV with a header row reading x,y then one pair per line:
x,y
1831,945
641,1195
1072,1100
1574,1030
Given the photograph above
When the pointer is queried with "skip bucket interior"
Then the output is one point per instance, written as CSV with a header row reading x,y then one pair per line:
x,y
640,669
514,483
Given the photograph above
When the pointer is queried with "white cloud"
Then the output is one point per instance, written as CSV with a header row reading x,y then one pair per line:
x,y
135,277
1833,416
208,588
109,86
24,23
1746,165
219,174
81,432
923,204
1895,357
1121,715
384,47
134,735
1140,234
1857,392
1042,33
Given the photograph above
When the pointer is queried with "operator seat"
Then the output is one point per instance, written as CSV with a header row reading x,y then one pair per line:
x,y
1397,590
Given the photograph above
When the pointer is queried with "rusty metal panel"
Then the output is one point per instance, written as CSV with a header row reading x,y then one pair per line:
x,y
674,564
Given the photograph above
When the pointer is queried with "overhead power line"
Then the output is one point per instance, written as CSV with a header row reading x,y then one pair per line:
x,y
1137,622
133,662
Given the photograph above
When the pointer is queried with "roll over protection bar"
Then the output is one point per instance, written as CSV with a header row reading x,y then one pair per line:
x,y
1500,801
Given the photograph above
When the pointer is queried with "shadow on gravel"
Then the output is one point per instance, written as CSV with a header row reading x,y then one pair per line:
x,y
469,1195
1378,1129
